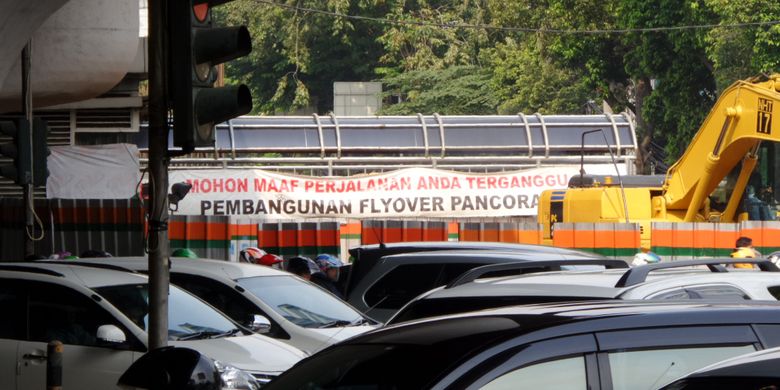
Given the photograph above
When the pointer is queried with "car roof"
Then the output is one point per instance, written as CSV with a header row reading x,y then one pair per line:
x,y
88,276
571,318
594,283
380,250
487,256
229,269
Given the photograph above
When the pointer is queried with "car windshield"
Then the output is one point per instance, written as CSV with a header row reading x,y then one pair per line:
x,y
301,303
188,317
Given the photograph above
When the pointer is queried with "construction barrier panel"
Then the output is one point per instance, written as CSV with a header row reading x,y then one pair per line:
x,y
685,240
608,239
243,233
765,235
205,235
375,232
350,233
299,238
114,226
511,232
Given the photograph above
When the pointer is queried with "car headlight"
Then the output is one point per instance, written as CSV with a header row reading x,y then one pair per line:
x,y
235,378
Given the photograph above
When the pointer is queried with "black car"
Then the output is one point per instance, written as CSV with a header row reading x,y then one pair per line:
x,y
366,257
395,279
704,279
580,345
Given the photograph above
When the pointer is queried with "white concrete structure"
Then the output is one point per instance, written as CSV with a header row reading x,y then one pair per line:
x,y
80,48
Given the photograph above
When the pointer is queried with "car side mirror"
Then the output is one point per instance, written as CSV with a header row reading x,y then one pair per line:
x,y
111,334
259,324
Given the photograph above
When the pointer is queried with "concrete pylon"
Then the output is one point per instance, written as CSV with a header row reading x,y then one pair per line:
x,y
80,48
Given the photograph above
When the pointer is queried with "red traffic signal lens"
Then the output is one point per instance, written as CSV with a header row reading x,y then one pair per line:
x,y
201,11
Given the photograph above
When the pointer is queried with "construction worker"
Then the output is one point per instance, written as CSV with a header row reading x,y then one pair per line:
x,y
744,250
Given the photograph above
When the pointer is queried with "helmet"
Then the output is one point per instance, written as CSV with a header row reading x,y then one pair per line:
x,y
60,255
326,262
184,252
172,368
270,259
251,255
643,258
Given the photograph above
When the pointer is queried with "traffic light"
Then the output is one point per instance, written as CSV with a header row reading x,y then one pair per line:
x,y
18,150
195,48
41,152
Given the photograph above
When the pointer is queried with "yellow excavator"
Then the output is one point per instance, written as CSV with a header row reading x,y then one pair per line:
x,y
728,140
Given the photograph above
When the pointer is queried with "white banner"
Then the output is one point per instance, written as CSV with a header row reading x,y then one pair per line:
x,y
93,172
415,192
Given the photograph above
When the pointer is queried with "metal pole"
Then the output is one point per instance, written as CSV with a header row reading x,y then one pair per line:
x,y
158,176
27,109
54,365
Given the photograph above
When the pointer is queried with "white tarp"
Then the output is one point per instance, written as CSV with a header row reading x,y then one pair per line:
x,y
93,172
414,192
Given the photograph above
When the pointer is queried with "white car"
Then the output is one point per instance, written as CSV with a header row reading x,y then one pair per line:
x,y
101,315
300,313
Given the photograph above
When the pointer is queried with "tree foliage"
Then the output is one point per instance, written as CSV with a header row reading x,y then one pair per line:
x,y
450,65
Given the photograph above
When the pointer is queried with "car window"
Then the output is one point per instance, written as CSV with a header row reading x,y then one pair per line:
x,y
563,374
651,369
719,292
188,317
60,313
402,284
12,305
775,291
226,300
300,302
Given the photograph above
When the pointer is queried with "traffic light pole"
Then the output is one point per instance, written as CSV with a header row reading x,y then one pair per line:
x,y
27,109
158,176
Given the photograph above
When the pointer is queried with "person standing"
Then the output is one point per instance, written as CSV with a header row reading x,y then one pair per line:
x,y
744,250
329,275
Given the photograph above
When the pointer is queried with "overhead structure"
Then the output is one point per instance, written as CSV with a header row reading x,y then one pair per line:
x,y
349,144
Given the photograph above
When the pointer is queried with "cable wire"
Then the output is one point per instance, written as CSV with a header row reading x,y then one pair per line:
x,y
422,23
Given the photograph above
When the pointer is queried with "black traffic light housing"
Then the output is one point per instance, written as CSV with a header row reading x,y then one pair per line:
x,y
29,163
41,151
18,150
195,48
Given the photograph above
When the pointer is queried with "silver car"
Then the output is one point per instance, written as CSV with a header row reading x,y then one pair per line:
x,y
101,316
298,312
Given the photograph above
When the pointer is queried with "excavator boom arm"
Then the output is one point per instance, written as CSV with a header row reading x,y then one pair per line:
x,y
744,115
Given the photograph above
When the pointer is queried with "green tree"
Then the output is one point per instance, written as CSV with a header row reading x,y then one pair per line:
x,y
526,81
297,55
455,90
676,62
739,53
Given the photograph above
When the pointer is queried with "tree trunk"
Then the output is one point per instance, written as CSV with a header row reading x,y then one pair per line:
x,y
644,129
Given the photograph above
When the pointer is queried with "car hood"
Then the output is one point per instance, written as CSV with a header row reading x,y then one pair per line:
x,y
334,335
252,353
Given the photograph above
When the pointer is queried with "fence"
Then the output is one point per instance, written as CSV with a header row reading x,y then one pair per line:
x,y
609,239
117,226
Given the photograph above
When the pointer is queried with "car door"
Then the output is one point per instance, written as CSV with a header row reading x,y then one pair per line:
x,y
57,312
651,358
12,329
562,363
